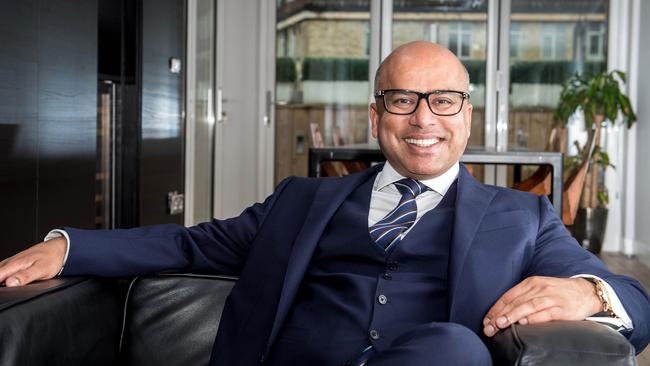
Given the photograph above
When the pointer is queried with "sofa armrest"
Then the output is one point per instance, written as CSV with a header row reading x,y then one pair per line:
x,y
172,319
562,343
71,321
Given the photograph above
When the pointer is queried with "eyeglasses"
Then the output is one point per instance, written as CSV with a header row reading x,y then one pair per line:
x,y
440,102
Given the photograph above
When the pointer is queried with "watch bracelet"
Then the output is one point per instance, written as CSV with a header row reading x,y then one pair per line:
x,y
601,292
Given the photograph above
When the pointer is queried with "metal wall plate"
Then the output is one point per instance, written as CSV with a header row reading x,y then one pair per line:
x,y
175,203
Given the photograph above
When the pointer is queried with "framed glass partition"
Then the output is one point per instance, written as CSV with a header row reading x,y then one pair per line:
x,y
461,26
322,86
549,41
200,118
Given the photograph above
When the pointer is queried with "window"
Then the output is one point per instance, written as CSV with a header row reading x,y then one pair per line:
x,y
327,49
433,33
281,47
290,46
595,42
515,41
366,39
467,39
322,85
554,41
538,69
460,39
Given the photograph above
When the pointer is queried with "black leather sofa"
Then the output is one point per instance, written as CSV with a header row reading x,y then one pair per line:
x,y
172,320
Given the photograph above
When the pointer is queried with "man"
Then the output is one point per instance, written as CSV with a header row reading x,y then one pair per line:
x,y
409,263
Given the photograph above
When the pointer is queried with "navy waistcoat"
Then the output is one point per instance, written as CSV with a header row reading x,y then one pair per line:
x,y
355,294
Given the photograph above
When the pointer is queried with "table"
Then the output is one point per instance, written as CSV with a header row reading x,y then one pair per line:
x,y
371,153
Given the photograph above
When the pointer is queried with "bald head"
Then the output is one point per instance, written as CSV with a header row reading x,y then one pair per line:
x,y
419,57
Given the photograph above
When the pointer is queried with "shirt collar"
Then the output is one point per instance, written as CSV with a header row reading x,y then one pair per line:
x,y
440,184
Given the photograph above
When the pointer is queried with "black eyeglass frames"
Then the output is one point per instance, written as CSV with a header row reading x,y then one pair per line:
x,y
440,102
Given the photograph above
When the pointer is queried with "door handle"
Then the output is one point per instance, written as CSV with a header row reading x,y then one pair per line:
x,y
269,108
221,115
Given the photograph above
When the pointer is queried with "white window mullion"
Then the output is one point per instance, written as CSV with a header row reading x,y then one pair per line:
x,y
503,92
621,202
190,120
496,83
381,36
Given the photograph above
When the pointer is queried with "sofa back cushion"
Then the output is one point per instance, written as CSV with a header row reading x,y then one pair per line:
x,y
172,319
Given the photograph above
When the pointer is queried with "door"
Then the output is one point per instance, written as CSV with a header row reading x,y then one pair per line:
x,y
244,132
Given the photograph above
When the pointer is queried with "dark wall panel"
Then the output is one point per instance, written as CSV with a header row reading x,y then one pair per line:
x,y
161,169
67,109
18,123
48,81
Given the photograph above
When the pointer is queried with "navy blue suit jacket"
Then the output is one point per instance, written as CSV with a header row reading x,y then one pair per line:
x,y
500,237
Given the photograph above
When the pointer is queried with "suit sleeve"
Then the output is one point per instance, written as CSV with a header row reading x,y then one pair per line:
x,y
217,246
557,254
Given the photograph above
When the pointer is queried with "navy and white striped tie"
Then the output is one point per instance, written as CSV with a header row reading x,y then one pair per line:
x,y
387,231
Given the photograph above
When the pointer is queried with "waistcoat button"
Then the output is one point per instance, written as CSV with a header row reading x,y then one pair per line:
x,y
374,334
382,299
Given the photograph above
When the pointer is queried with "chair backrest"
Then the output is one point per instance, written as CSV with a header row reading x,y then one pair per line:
x,y
172,319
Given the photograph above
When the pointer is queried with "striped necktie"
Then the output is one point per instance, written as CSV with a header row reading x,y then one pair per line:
x,y
387,231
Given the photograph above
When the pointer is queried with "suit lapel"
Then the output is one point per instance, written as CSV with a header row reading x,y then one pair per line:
x,y
472,201
330,195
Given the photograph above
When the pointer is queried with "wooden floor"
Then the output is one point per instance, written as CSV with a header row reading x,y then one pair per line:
x,y
621,264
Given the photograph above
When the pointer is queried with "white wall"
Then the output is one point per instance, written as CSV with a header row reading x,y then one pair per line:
x,y
642,217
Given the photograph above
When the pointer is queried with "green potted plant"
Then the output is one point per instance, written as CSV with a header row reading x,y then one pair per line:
x,y
600,99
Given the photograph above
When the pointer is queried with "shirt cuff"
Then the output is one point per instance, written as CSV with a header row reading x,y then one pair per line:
x,y
624,322
57,233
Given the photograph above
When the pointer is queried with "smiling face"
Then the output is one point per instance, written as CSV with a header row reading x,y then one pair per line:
x,y
421,145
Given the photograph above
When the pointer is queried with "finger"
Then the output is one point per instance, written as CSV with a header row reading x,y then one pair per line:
x,y
523,309
519,314
27,275
501,322
544,316
502,318
505,302
490,330
13,265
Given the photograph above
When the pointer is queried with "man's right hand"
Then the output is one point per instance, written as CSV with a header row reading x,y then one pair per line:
x,y
40,262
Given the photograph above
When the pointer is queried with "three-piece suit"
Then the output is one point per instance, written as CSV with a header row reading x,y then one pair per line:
x,y
310,279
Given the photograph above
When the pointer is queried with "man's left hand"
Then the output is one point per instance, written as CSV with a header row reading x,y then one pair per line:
x,y
542,299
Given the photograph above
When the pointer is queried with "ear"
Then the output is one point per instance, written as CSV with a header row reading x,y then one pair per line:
x,y
468,118
374,118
